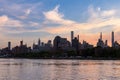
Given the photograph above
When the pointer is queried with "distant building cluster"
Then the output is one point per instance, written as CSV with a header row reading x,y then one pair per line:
x,y
59,43
103,44
41,46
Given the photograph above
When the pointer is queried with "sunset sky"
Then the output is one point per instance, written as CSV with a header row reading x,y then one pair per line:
x,y
29,20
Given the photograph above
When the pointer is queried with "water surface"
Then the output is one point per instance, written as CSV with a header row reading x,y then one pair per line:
x,y
37,69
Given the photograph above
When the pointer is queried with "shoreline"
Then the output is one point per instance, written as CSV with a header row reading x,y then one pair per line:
x,y
64,58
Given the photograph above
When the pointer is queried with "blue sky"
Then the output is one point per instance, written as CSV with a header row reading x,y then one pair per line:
x,y
29,20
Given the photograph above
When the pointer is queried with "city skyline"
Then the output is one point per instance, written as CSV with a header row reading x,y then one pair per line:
x,y
30,20
61,46
99,43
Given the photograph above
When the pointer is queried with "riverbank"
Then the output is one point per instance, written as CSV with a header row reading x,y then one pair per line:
x,y
63,58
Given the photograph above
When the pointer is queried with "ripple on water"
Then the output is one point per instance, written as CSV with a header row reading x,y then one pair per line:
x,y
30,69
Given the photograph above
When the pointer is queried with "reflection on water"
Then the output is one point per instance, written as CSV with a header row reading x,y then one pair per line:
x,y
30,69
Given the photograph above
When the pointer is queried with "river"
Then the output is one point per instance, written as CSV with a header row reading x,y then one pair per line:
x,y
39,69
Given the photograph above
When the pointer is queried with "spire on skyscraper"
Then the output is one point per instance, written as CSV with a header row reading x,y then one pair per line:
x,y
101,36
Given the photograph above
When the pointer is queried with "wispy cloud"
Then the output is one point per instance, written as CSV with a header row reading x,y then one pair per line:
x,y
97,14
21,18
5,21
16,17
97,19
19,10
108,13
56,17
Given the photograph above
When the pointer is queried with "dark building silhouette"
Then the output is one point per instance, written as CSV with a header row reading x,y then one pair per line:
x,y
112,39
116,44
78,38
7,50
100,42
21,43
72,36
41,46
39,42
64,47
21,49
106,43
101,36
49,43
61,43
86,45
9,45
75,43
56,42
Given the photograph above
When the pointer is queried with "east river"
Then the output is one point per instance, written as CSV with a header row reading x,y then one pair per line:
x,y
39,69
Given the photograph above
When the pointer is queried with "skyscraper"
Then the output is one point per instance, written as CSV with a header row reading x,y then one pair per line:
x,y
106,43
61,43
101,36
21,43
78,38
112,39
9,45
39,42
100,42
56,42
75,43
72,36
